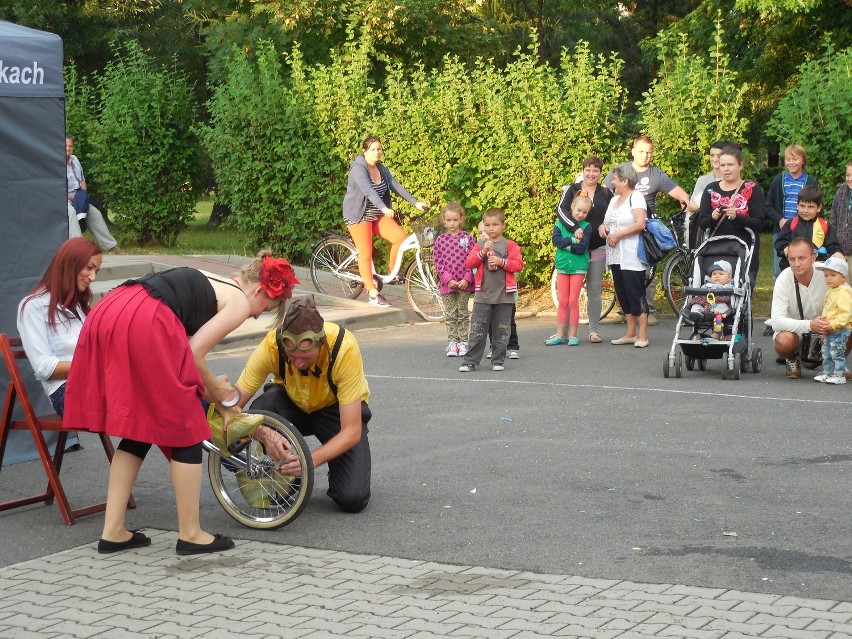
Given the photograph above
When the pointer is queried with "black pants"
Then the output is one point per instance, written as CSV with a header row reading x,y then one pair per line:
x,y
348,474
513,344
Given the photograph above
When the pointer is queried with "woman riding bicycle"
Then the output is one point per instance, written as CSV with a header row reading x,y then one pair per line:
x,y
367,211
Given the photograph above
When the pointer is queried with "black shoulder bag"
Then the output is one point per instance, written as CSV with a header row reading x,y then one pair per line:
x,y
811,343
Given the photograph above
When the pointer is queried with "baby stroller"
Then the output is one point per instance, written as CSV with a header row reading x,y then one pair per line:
x,y
709,335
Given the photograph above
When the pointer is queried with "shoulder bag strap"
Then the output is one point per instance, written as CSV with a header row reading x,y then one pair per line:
x,y
798,298
721,218
332,357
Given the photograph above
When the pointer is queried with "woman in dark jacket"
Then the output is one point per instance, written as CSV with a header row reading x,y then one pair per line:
x,y
367,211
600,196
732,205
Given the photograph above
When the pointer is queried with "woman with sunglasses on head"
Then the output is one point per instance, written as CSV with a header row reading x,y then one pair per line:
x,y
320,387
367,211
139,373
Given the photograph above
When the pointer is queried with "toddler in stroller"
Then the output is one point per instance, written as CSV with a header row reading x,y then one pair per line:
x,y
718,308
713,307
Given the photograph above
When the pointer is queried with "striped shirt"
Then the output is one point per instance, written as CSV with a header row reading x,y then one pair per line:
x,y
792,186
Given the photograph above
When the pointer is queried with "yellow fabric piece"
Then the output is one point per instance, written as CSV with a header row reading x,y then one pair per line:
x,y
309,392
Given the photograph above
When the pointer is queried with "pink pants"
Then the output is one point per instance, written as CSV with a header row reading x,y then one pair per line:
x,y
568,293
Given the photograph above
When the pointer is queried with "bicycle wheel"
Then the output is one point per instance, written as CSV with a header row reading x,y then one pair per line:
x,y
262,497
675,280
422,290
607,296
334,268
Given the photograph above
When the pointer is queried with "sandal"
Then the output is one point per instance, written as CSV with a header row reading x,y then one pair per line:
x,y
594,338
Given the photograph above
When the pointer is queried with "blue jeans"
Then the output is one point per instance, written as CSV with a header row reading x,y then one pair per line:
x,y
834,352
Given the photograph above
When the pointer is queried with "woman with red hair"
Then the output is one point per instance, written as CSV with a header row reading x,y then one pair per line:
x,y
51,317
140,374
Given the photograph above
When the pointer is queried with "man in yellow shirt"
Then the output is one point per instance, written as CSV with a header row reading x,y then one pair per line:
x,y
319,386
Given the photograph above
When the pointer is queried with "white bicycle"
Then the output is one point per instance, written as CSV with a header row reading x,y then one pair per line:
x,y
334,269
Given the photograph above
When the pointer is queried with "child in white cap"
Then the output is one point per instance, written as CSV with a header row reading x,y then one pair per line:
x,y
837,311
719,276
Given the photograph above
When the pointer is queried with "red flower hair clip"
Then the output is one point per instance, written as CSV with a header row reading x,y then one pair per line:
x,y
277,278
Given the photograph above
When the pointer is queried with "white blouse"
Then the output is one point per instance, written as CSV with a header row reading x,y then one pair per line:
x,y
46,346
625,253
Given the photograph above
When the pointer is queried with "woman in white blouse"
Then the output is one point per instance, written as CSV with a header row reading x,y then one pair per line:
x,y
51,316
622,228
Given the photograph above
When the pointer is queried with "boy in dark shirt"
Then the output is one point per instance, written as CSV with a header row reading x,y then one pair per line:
x,y
810,225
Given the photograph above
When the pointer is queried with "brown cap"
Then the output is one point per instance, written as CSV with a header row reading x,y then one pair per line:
x,y
302,315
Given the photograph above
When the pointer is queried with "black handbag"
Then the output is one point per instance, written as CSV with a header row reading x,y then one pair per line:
x,y
653,252
810,350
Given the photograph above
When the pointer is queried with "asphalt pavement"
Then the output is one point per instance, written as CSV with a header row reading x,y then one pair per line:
x,y
577,465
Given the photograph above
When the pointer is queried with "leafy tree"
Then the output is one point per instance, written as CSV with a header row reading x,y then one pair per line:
x,y
694,101
146,153
816,113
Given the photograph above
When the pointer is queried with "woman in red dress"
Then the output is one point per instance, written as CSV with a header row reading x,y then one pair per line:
x,y
139,373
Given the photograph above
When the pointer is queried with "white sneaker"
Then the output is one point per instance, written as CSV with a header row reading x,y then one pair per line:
x,y
822,377
489,355
467,368
453,349
514,355
378,300
498,367
462,347
835,379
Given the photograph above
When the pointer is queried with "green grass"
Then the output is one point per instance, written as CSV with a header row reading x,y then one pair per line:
x,y
196,239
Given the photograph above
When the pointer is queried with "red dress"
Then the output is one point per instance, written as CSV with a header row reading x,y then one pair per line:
x,y
134,375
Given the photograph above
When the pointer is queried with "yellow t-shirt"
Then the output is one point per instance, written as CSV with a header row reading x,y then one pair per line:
x,y
309,392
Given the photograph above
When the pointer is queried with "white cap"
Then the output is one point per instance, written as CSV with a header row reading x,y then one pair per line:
x,y
721,265
834,264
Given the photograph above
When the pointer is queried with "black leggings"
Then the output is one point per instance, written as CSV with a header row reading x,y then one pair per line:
x,y
183,454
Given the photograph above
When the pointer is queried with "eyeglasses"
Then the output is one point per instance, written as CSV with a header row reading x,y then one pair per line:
x,y
301,342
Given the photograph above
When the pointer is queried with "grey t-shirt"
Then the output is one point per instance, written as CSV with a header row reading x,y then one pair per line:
x,y
651,181
702,183
493,289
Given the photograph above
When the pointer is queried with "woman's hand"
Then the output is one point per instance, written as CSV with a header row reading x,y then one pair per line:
x,y
388,212
220,389
613,238
602,231
422,206
279,449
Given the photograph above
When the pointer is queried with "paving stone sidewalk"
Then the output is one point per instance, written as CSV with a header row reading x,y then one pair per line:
x,y
270,590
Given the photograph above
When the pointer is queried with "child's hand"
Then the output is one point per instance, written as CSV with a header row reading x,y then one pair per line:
x,y
463,285
453,284
495,261
579,234
488,246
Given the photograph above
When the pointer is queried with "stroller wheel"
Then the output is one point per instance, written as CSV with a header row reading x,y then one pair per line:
x,y
666,365
679,365
690,363
702,364
756,361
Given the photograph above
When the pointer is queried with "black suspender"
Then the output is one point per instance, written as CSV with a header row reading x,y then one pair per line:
x,y
332,357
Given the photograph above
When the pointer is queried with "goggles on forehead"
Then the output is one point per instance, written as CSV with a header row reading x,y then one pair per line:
x,y
301,342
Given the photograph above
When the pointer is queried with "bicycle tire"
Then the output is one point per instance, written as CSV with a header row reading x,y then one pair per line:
x,y
282,498
422,290
329,258
607,296
675,280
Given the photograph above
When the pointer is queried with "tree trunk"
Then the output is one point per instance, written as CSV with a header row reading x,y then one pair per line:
x,y
219,214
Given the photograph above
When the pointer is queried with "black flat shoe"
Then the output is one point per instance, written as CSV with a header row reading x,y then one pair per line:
x,y
138,540
219,543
